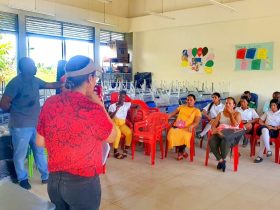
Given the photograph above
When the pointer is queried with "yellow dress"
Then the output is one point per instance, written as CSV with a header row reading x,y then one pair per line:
x,y
178,136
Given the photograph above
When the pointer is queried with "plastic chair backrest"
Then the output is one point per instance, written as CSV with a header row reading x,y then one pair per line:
x,y
155,122
140,103
136,115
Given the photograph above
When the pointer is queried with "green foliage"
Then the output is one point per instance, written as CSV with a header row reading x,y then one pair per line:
x,y
46,73
7,61
8,65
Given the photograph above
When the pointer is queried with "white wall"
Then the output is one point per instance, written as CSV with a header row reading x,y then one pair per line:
x,y
159,51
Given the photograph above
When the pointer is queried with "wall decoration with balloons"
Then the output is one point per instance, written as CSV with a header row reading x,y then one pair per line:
x,y
254,56
198,60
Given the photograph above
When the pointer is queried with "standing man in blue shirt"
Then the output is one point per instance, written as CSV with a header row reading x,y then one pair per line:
x,y
21,99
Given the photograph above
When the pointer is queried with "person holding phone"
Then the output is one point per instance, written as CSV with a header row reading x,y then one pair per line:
x,y
73,127
118,112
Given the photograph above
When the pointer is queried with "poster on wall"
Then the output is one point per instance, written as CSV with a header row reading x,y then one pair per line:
x,y
251,57
198,60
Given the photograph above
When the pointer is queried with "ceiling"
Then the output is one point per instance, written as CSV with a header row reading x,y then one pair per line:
x,y
136,8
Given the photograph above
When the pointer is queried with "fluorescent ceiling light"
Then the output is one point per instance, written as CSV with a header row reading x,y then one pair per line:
x,y
158,14
105,1
32,10
222,5
102,23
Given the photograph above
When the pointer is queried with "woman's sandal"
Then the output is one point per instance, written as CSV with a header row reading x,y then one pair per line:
x,y
185,155
125,153
180,156
118,155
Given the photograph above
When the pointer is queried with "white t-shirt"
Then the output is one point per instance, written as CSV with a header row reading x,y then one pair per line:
x,y
215,109
271,118
247,114
122,112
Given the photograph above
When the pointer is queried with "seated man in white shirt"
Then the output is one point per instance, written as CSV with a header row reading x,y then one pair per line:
x,y
248,115
118,112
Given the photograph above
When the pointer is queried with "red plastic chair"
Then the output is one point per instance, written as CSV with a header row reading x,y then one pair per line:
x,y
137,115
234,149
192,145
149,132
203,124
276,141
144,106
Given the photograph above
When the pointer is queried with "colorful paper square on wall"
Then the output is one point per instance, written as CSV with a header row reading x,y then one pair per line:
x,y
262,53
257,56
251,53
256,64
240,54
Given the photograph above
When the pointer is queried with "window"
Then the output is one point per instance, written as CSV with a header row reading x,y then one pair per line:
x,y
105,51
46,52
50,41
107,36
8,47
77,47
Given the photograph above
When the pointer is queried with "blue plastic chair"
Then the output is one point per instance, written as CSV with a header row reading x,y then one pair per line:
x,y
151,104
171,108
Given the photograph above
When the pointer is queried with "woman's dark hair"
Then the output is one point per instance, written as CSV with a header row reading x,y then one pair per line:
x,y
217,94
231,99
245,98
211,104
274,101
76,63
192,95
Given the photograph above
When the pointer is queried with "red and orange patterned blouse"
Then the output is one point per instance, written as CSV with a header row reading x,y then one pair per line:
x,y
74,128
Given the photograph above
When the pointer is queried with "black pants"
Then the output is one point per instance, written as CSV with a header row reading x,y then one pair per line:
x,y
72,192
181,149
219,146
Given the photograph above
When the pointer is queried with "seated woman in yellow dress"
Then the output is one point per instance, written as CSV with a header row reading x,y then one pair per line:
x,y
180,133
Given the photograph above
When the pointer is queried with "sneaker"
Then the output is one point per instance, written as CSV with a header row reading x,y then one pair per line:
x,y
25,184
45,181
258,159
245,142
268,154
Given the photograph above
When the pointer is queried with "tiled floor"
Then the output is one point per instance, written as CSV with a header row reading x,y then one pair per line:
x,y
171,184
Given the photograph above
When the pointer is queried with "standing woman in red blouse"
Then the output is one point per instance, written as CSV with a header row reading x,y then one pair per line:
x,y
72,126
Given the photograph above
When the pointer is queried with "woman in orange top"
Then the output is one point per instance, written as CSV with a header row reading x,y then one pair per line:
x,y
180,133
